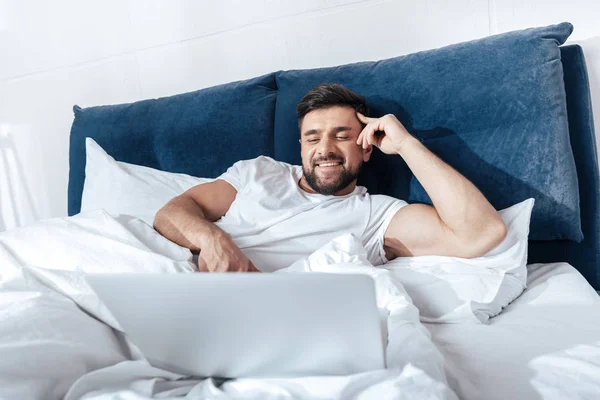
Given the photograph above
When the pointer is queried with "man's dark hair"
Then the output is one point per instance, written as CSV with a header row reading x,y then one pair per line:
x,y
328,95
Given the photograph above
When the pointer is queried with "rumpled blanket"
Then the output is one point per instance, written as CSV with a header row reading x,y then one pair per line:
x,y
57,339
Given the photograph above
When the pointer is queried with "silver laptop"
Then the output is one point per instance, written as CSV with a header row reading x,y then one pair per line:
x,y
248,325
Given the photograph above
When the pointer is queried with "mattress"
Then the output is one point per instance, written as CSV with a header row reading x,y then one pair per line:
x,y
546,344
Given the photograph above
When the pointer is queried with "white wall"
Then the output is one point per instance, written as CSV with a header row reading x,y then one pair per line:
x,y
56,54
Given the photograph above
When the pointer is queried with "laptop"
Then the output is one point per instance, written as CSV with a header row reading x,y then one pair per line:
x,y
232,325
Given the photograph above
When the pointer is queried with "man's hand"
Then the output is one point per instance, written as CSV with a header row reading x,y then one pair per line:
x,y
220,254
392,136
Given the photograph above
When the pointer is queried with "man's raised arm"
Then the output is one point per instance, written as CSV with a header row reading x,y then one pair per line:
x,y
461,223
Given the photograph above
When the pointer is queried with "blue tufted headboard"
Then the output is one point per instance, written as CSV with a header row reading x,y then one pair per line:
x,y
172,133
585,256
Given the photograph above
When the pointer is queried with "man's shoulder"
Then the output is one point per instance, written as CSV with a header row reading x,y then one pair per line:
x,y
383,200
271,161
262,167
263,161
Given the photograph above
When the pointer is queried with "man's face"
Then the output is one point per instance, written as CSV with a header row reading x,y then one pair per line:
x,y
331,159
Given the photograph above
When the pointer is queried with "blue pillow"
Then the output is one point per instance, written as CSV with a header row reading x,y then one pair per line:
x,y
200,133
493,108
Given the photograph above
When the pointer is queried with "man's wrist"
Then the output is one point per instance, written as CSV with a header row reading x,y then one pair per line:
x,y
211,234
407,144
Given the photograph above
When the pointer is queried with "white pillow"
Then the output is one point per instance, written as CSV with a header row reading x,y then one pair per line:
x,y
122,188
454,290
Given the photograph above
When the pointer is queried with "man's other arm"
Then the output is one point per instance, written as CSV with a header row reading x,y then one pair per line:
x,y
461,223
188,220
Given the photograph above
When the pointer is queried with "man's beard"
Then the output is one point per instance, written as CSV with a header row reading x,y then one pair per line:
x,y
345,178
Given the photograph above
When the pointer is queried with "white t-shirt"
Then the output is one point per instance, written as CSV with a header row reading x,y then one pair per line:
x,y
275,222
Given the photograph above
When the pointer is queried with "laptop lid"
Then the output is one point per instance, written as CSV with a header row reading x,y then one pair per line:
x,y
249,325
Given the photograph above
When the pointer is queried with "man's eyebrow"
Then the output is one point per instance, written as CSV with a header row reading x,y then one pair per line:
x,y
312,132
342,129
337,129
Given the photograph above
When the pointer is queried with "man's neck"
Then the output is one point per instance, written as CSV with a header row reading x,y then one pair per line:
x,y
308,189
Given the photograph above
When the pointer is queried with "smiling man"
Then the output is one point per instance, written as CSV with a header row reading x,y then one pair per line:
x,y
263,215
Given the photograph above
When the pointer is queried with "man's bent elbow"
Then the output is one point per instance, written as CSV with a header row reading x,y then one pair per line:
x,y
501,232
158,218
494,235
161,216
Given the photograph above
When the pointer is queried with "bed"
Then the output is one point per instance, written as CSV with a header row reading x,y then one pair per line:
x,y
544,345
511,112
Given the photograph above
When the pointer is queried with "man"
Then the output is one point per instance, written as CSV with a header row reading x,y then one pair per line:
x,y
263,214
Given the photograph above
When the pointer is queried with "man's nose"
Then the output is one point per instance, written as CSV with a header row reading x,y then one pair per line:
x,y
326,146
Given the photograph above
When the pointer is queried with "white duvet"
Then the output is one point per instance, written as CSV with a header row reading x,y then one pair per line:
x,y
58,340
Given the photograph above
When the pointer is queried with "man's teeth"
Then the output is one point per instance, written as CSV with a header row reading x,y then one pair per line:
x,y
329,164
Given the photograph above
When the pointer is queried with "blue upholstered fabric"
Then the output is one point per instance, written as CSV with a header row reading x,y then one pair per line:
x,y
584,256
494,108
200,133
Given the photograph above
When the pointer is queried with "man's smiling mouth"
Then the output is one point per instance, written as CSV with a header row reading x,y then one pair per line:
x,y
329,164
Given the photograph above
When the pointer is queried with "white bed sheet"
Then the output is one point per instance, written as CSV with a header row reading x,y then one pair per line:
x,y
545,345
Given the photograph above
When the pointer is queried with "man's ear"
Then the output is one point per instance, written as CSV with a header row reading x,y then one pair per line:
x,y
367,153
